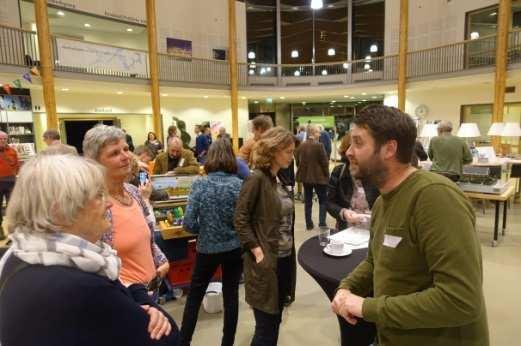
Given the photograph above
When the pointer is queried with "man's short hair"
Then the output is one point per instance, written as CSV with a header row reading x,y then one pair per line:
x,y
445,126
388,123
262,123
143,149
51,134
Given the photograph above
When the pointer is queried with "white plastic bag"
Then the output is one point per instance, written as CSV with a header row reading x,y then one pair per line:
x,y
213,299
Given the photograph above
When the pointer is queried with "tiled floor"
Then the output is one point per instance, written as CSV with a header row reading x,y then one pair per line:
x,y
309,320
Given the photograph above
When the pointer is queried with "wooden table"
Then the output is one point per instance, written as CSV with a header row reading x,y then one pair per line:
x,y
497,199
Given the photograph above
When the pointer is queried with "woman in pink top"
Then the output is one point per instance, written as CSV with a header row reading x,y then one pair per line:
x,y
132,231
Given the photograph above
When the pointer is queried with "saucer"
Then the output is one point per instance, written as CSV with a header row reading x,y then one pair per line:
x,y
347,251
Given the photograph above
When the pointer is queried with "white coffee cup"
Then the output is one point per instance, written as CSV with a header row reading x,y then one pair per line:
x,y
336,246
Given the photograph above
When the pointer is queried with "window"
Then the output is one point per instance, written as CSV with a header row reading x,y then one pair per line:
x,y
368,28
261,22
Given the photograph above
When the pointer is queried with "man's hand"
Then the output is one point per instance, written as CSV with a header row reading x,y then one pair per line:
x,y
347,305
163,269
158,326
352,218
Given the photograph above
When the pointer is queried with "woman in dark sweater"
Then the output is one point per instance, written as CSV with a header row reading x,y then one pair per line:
x,y
349,200
58,282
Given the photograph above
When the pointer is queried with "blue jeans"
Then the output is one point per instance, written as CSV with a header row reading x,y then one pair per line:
x,y
321,191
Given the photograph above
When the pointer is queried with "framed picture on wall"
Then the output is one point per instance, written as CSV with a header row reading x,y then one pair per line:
x,y
178,47
219,54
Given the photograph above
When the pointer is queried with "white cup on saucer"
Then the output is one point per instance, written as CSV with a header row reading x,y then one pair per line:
x,y
336,247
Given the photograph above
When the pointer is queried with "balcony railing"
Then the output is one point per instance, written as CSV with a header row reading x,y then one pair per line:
x,y
20,48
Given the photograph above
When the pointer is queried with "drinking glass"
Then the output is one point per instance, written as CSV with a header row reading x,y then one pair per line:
x,y
323,235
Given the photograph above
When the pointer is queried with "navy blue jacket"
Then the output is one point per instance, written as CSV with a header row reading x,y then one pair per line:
x,y
325,139
56,305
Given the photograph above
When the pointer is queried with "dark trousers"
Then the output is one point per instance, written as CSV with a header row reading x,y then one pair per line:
x,y
6,187
267,325
205,267
321,191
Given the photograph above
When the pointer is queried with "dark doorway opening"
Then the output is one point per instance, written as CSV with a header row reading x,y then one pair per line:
x,y
75,131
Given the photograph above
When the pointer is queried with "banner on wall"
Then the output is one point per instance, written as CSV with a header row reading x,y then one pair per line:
x,y
92,56
326,121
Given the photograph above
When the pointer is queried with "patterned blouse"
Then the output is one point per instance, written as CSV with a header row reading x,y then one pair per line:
x,y
358,200
159,256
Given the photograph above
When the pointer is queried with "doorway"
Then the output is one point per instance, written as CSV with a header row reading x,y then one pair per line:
x,y
74,130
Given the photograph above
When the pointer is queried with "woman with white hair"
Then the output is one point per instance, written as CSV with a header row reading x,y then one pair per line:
x,y
132,223
58,282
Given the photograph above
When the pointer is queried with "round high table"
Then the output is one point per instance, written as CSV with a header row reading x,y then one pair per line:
x,y
328,271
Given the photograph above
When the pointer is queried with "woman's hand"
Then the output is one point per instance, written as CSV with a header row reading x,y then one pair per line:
x,y
163,269
146,190
353,218
158,326
258,253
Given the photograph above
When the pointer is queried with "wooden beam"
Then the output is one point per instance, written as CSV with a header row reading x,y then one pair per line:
x,y
402,67
504,15
153,65
46,62
232,60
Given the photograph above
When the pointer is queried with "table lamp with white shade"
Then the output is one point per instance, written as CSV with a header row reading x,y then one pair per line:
x,y
496,129
468,130
511,130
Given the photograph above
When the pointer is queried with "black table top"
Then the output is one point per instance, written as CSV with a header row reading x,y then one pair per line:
x,y
327,269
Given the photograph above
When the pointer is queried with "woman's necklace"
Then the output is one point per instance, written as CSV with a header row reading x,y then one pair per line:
x,y
126,200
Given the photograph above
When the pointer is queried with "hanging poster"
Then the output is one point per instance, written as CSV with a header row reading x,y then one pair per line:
x,y
179,47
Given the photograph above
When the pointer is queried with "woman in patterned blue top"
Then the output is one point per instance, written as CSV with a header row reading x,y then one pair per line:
x,y
210,210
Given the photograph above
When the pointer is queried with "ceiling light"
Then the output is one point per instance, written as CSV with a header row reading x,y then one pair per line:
x,y
60,13
331,52
263,70
251,72
333,101
474,35
352,98
130,29
364,100
269,100
120,93
370,70
324,72
255,101
268,69
294,53
87,25
303,103
373,48
493,14
65,89
243,98
367,67
346,96
316,4
282,98
164,94
251,55
297,73
368,58
346,65
330,6
374,97
205,96
364,94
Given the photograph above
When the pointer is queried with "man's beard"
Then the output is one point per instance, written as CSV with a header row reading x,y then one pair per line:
x,y
373,171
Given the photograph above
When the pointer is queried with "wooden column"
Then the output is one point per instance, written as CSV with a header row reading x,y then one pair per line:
x,y
232,60
46,62
503,27
153,65
402,68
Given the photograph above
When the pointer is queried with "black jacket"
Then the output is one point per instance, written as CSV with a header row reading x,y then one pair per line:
x,y
57,305
340,191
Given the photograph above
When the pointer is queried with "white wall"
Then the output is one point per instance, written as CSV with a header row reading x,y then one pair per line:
x,y
134,111
431,22
9,13
445,103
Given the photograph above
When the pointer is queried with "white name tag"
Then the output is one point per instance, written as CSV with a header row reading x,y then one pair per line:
x,y
391,240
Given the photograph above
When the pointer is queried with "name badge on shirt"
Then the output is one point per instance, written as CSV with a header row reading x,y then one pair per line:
x,y
391,240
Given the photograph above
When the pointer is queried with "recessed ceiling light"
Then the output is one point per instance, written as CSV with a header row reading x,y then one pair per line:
x,y
164,94
364,100
60,13
282,98
324,72
331,52
205,96
120,93
364,94
294,53
269,100
255,101
346,96
65,89
375,97
333,101
87,25
330,6
493,14
352,98
130,29
243,98
303,103
251,55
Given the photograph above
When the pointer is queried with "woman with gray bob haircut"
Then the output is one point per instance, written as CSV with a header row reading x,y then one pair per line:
x,y
131,231
58,282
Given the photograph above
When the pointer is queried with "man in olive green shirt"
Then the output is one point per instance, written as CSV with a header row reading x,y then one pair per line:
x,y
424,265
448,153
